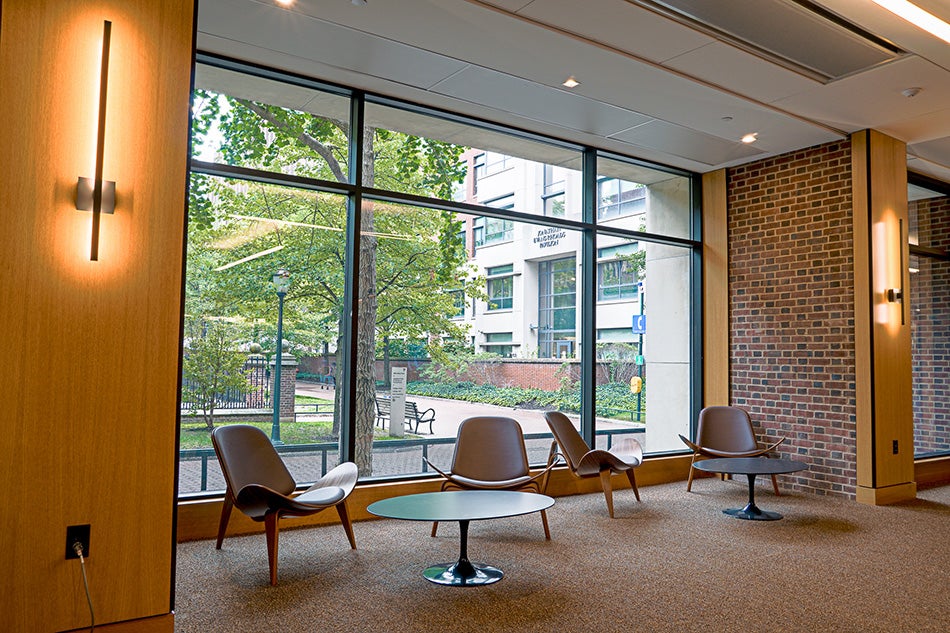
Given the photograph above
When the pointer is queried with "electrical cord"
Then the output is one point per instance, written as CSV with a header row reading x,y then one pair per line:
x,y
77,547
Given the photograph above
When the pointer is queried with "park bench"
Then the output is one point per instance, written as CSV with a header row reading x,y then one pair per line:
x,y
413,417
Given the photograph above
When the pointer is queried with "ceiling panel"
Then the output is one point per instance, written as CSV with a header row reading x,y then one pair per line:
x,y
681,141
619,24
778,28
727,66
270,27
875,98
544,103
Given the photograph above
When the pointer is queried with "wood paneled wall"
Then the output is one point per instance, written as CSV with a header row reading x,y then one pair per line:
x,y
90,370
885,442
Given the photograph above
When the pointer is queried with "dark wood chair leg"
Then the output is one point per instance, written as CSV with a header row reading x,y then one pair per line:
x,y
345,520
270,529
608,491
775,486
435,527
633,483
692,471
225,517
544,522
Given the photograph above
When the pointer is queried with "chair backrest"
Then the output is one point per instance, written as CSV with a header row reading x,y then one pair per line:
x,y
490,448
568,438
725,429
247,456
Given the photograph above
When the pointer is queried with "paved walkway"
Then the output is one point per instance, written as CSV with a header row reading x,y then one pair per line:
x,y
402,459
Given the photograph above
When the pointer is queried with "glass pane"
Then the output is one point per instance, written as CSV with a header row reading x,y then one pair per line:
x,y
486,363
930,322
239,235
620,268
643,361
639,198
484,167
252,122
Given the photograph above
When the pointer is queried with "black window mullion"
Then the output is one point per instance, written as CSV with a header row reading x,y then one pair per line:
x,y
588,333
352,283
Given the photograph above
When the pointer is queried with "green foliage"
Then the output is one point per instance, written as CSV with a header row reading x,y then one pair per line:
x,y
611,398
211,367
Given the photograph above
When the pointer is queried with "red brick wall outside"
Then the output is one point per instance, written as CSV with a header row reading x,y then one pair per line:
x,y
548,375
792,346
930,329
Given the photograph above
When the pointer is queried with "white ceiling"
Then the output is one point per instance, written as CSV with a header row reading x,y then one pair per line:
x,y
650,86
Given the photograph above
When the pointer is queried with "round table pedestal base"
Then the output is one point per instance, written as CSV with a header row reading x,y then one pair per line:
x,y
752,513
463,574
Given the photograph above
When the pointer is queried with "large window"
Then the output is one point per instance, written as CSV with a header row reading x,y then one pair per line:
x,y
557,308
929,234
500,287
381,281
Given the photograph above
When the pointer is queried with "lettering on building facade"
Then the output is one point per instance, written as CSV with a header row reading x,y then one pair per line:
x,y
550,236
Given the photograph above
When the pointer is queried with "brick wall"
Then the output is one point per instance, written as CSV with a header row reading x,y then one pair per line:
x,y
792,347
930,329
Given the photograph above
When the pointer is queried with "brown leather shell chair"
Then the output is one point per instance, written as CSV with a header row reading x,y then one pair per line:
x,y
726,432
490,455
259,485
584,462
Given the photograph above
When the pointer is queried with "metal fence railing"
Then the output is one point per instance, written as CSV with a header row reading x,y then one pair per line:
x,y
256,396
199,471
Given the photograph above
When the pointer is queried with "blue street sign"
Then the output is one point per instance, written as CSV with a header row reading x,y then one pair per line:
x,y
639,324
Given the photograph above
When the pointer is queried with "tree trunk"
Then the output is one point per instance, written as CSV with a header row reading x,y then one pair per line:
x,y
364,407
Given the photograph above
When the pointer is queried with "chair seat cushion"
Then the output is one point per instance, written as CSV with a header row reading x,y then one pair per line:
x,y
497,485
321,496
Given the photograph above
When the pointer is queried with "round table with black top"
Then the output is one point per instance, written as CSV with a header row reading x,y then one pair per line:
x,y
751,466
463,506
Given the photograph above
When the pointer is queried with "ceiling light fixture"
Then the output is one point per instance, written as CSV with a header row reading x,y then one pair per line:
x,y
752,137
918,17
570,82
358,3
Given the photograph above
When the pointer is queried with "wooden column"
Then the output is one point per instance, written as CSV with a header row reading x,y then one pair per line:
x,y
715,290
885,442
91,367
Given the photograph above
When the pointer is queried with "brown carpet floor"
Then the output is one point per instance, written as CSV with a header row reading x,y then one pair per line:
x,y
671,563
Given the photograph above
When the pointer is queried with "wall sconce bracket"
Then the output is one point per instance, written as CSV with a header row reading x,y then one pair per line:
x,y
894,295
84,190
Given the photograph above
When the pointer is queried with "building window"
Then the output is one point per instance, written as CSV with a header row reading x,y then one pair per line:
x,y
500,287
557,308
552,193
619,275
499,343
458,300
493,230
616,198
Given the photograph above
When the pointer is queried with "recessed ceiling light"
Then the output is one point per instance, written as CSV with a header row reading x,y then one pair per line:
x,y
285,3
752,137
918,17
911,92
570,82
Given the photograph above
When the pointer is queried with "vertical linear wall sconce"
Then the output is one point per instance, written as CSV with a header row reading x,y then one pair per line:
x,y
896,295
93,193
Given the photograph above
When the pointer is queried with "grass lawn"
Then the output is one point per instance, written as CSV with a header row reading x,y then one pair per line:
x,y
194,434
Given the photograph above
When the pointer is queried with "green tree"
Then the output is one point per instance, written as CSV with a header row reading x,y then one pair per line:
x,y
406,254
212,366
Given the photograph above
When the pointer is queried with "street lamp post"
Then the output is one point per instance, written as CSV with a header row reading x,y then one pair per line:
x,y
281,282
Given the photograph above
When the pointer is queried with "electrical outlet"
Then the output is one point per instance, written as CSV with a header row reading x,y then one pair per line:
x,y
77,534
894,446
